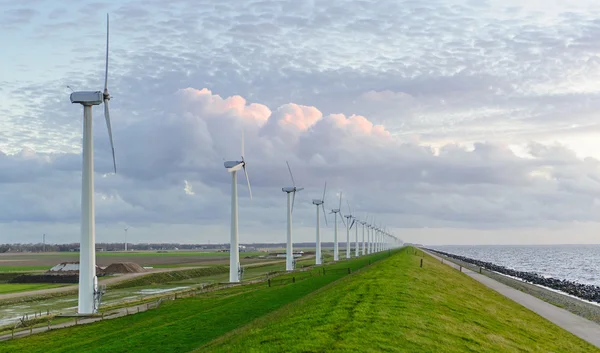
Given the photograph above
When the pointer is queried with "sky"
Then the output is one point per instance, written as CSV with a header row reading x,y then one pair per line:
x,y
446,121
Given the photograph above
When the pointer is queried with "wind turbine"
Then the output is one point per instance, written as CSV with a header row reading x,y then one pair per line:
x,y
318,203
336,254
126,238
88,282
348,227
289,257
234,247
356,236
363,237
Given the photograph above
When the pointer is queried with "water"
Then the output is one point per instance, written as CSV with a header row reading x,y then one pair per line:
x,y
577,263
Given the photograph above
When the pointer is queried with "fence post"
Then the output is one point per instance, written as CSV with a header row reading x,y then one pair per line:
x,y
75,320
269,282
293,279
421,262
479,269
323,271
460,268
31,329
348,270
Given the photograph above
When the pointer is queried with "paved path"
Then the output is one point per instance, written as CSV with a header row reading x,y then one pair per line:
x,y
577,325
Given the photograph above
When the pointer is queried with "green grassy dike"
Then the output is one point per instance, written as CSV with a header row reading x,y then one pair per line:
x,y
395,306
185,324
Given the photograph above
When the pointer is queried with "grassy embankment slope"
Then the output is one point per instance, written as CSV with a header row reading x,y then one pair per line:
x,y
15,288
397,306
184,324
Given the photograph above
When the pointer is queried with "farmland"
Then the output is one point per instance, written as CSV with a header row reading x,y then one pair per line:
x,y
20,262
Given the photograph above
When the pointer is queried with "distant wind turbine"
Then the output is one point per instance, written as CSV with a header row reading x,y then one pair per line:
x,y
335,211
348,227
126,238
291,198
321,202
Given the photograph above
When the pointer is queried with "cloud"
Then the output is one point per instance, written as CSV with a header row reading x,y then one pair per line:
x,y
487,186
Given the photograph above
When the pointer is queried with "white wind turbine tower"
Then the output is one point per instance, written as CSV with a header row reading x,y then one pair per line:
x,y
235,270
126,238
356,247
88,300
321,202
348,227
289,257
368,248
335,211
363,236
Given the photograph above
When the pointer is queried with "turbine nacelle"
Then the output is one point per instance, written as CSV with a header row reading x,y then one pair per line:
x,y
233,166
87,97
317,202
291,189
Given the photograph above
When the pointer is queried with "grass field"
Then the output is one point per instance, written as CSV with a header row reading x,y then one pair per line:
x,y
183,325
398,306
15,288
23,268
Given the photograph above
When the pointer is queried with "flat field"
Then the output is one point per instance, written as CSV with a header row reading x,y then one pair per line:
x,y
22,262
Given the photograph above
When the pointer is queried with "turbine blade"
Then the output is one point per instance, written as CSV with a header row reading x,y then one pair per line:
x,y
342,217
291,175
324,189
324,214
107,117
352,223
349,209
293,200
106,67
340,206
248,181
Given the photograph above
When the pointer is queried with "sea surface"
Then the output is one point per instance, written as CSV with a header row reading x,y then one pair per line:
x,y
577,263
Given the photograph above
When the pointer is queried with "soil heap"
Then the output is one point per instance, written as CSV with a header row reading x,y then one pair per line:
x,y
123,267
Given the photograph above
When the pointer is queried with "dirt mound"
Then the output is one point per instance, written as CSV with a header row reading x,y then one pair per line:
x,y
123,267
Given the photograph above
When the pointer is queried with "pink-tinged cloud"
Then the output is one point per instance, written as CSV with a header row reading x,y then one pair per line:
x,y
206,104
